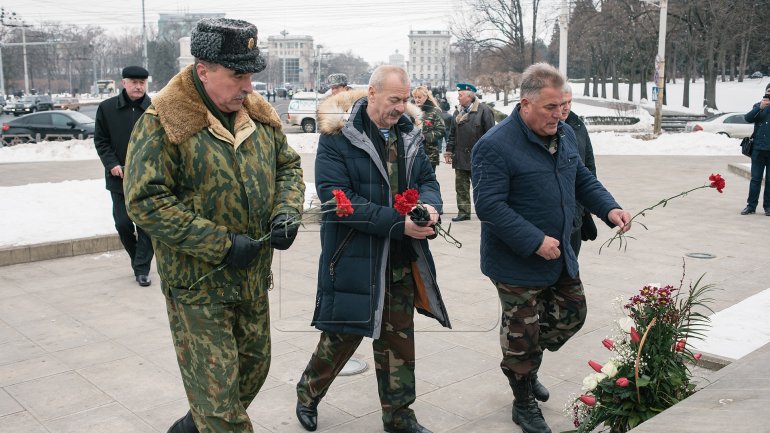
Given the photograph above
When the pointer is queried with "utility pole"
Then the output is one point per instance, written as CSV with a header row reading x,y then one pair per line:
x,y
144,39
563,29
13,17
660,64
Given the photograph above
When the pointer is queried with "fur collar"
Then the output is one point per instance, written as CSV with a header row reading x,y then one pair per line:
x,y
335,111
183,114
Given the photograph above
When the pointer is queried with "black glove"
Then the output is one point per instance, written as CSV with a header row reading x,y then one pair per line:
x,y
243,251
283,230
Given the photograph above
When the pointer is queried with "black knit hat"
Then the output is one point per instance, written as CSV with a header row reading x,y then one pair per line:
x,y
135,72
226,42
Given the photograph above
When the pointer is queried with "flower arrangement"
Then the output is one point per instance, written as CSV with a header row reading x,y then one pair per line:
x,y
408,203
648,371
715,181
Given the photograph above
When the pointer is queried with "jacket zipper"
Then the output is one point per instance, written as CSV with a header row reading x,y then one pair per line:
x,y
338,253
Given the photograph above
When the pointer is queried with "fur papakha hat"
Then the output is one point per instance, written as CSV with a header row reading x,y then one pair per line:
x,y
227,42
337,80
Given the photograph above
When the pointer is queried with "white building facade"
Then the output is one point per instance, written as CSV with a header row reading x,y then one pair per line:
x,y
294,57
429,58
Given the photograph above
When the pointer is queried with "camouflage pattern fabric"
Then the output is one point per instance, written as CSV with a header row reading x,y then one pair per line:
x,y
463,190
535,319
393,358
433,130
237,336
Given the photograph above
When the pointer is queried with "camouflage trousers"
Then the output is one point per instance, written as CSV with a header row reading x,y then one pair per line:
x,y
538,318
393,358
223,352
463,190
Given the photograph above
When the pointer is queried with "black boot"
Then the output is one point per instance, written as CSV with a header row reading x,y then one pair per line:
x,y
411,427
539,390
525,411
308,415
184,424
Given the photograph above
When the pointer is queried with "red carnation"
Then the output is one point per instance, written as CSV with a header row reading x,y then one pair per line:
x,y
343,205
428,123
717,182
402,205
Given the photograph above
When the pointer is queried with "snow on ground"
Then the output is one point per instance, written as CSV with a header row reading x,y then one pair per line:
x,y
83,208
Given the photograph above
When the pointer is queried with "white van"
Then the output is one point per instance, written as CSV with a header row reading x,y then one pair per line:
x,y
259,87
303,108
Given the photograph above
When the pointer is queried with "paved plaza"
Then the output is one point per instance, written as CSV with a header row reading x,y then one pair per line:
x,y
83,349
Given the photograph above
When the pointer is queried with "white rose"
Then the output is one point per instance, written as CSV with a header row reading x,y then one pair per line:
x,y
592,381
610,368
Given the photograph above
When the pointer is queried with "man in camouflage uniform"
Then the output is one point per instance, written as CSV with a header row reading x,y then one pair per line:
x,y
527,176
375,266
209,171
471,120
433,129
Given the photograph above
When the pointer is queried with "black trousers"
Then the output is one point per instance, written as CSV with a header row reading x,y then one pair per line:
x,y
136,242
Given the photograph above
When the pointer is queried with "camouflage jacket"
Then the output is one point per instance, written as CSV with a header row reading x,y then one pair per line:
x,y
189,182
433,130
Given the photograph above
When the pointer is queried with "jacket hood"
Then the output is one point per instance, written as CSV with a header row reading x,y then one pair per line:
x,y
182,112
335,111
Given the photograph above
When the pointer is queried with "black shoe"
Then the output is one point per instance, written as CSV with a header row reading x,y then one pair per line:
x,y
143,280
528,416
308,415
539,391
461,218
748,210
412,427
767,212
184,424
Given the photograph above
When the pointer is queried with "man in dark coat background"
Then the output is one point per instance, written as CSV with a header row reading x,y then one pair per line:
x,y
583,227
115,119
471,120
527,176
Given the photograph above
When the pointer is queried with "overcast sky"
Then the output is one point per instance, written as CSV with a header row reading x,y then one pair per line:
x,y
371,29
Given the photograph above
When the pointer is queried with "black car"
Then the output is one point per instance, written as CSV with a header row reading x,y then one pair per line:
x,y
56,125
29,104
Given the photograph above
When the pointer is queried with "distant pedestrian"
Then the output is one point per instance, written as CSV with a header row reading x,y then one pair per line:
x,y
338,83
583,227
471,120
760,154
433,130
115,119
209,173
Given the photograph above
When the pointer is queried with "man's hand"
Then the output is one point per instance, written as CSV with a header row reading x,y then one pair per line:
x,y
549,249
415,231
283,231
433,214
448,157
243,251
764,102
621,218
117,171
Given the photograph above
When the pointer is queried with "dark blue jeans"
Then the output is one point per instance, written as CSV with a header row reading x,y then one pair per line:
x,y
760,165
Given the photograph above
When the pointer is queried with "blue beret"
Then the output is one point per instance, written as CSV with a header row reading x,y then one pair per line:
x,y
466,86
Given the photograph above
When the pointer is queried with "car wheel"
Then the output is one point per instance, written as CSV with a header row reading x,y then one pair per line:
x,y
308,125
17,140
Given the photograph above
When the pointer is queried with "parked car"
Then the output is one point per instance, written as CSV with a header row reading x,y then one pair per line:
x,y
29,104
756,74
66,104
729,124
56,125
303,108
